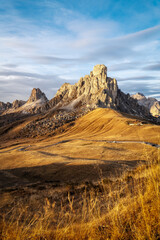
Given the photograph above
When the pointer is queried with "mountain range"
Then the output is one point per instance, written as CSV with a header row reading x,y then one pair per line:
x,y
90,92
39,116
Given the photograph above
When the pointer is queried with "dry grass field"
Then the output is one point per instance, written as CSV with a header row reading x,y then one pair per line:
x,y
99,179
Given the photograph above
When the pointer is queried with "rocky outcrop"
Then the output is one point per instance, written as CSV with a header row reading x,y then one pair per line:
x,y
138,96
10,106
18,103
5,106
97,90
125,103
155,109
35,104
36,95
152,104
94,90
49,124
91,91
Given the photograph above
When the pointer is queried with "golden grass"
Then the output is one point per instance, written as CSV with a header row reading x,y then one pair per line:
x,y
126,208
104,123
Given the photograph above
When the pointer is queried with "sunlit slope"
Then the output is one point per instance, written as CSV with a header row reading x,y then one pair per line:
x,y
112,125
73,154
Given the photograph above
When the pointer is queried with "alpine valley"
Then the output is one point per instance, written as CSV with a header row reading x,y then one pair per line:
x,y
80,165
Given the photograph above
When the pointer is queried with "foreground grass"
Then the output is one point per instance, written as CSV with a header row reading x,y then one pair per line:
x,y
127,208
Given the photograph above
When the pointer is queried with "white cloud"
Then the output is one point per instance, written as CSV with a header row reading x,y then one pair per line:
x,y
46,56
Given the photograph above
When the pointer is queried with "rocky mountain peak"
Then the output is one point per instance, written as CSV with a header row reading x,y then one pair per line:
x,y
17,103
152,104
4,106
91,91
95,90
99,70
35,104
36,95
138,96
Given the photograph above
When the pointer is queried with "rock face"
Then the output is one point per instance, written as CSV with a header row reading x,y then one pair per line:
x,y
37,94
18,103
94,90
5,106
8,106
97,90
155,109
152,104
138,96
91,91
35,104
100,70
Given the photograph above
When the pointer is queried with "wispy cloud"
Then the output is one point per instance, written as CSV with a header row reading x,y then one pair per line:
x,y
154,67
138,78
62,45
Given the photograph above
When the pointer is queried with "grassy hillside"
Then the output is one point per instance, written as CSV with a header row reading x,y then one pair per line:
x,y
127,208
96,180
109,124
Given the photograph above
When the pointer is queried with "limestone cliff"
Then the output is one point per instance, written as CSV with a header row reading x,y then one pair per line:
x,y
96,90
152,104
5,106
36,95
91,91
17,103
35,104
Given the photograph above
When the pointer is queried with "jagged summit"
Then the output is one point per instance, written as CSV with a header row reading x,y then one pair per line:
x,y
138,96
96,90
152,104
99,70
35,104
93,90
37,94
17,103
8,106
4,106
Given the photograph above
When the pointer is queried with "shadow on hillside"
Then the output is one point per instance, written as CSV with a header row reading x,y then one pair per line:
x,y
76,158
64,173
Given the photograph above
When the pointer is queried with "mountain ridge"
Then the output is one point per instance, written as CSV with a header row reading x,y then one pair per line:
x,y
152,104
91,91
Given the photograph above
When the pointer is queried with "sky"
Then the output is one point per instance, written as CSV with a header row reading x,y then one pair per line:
x,y
45,43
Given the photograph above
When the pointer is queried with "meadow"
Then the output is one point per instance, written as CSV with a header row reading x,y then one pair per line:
x,y
99,179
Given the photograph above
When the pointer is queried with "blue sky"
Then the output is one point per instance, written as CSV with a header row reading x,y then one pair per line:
x,y
44,43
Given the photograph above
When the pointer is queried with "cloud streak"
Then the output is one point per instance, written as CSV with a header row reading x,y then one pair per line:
x,y
154,67
66,44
